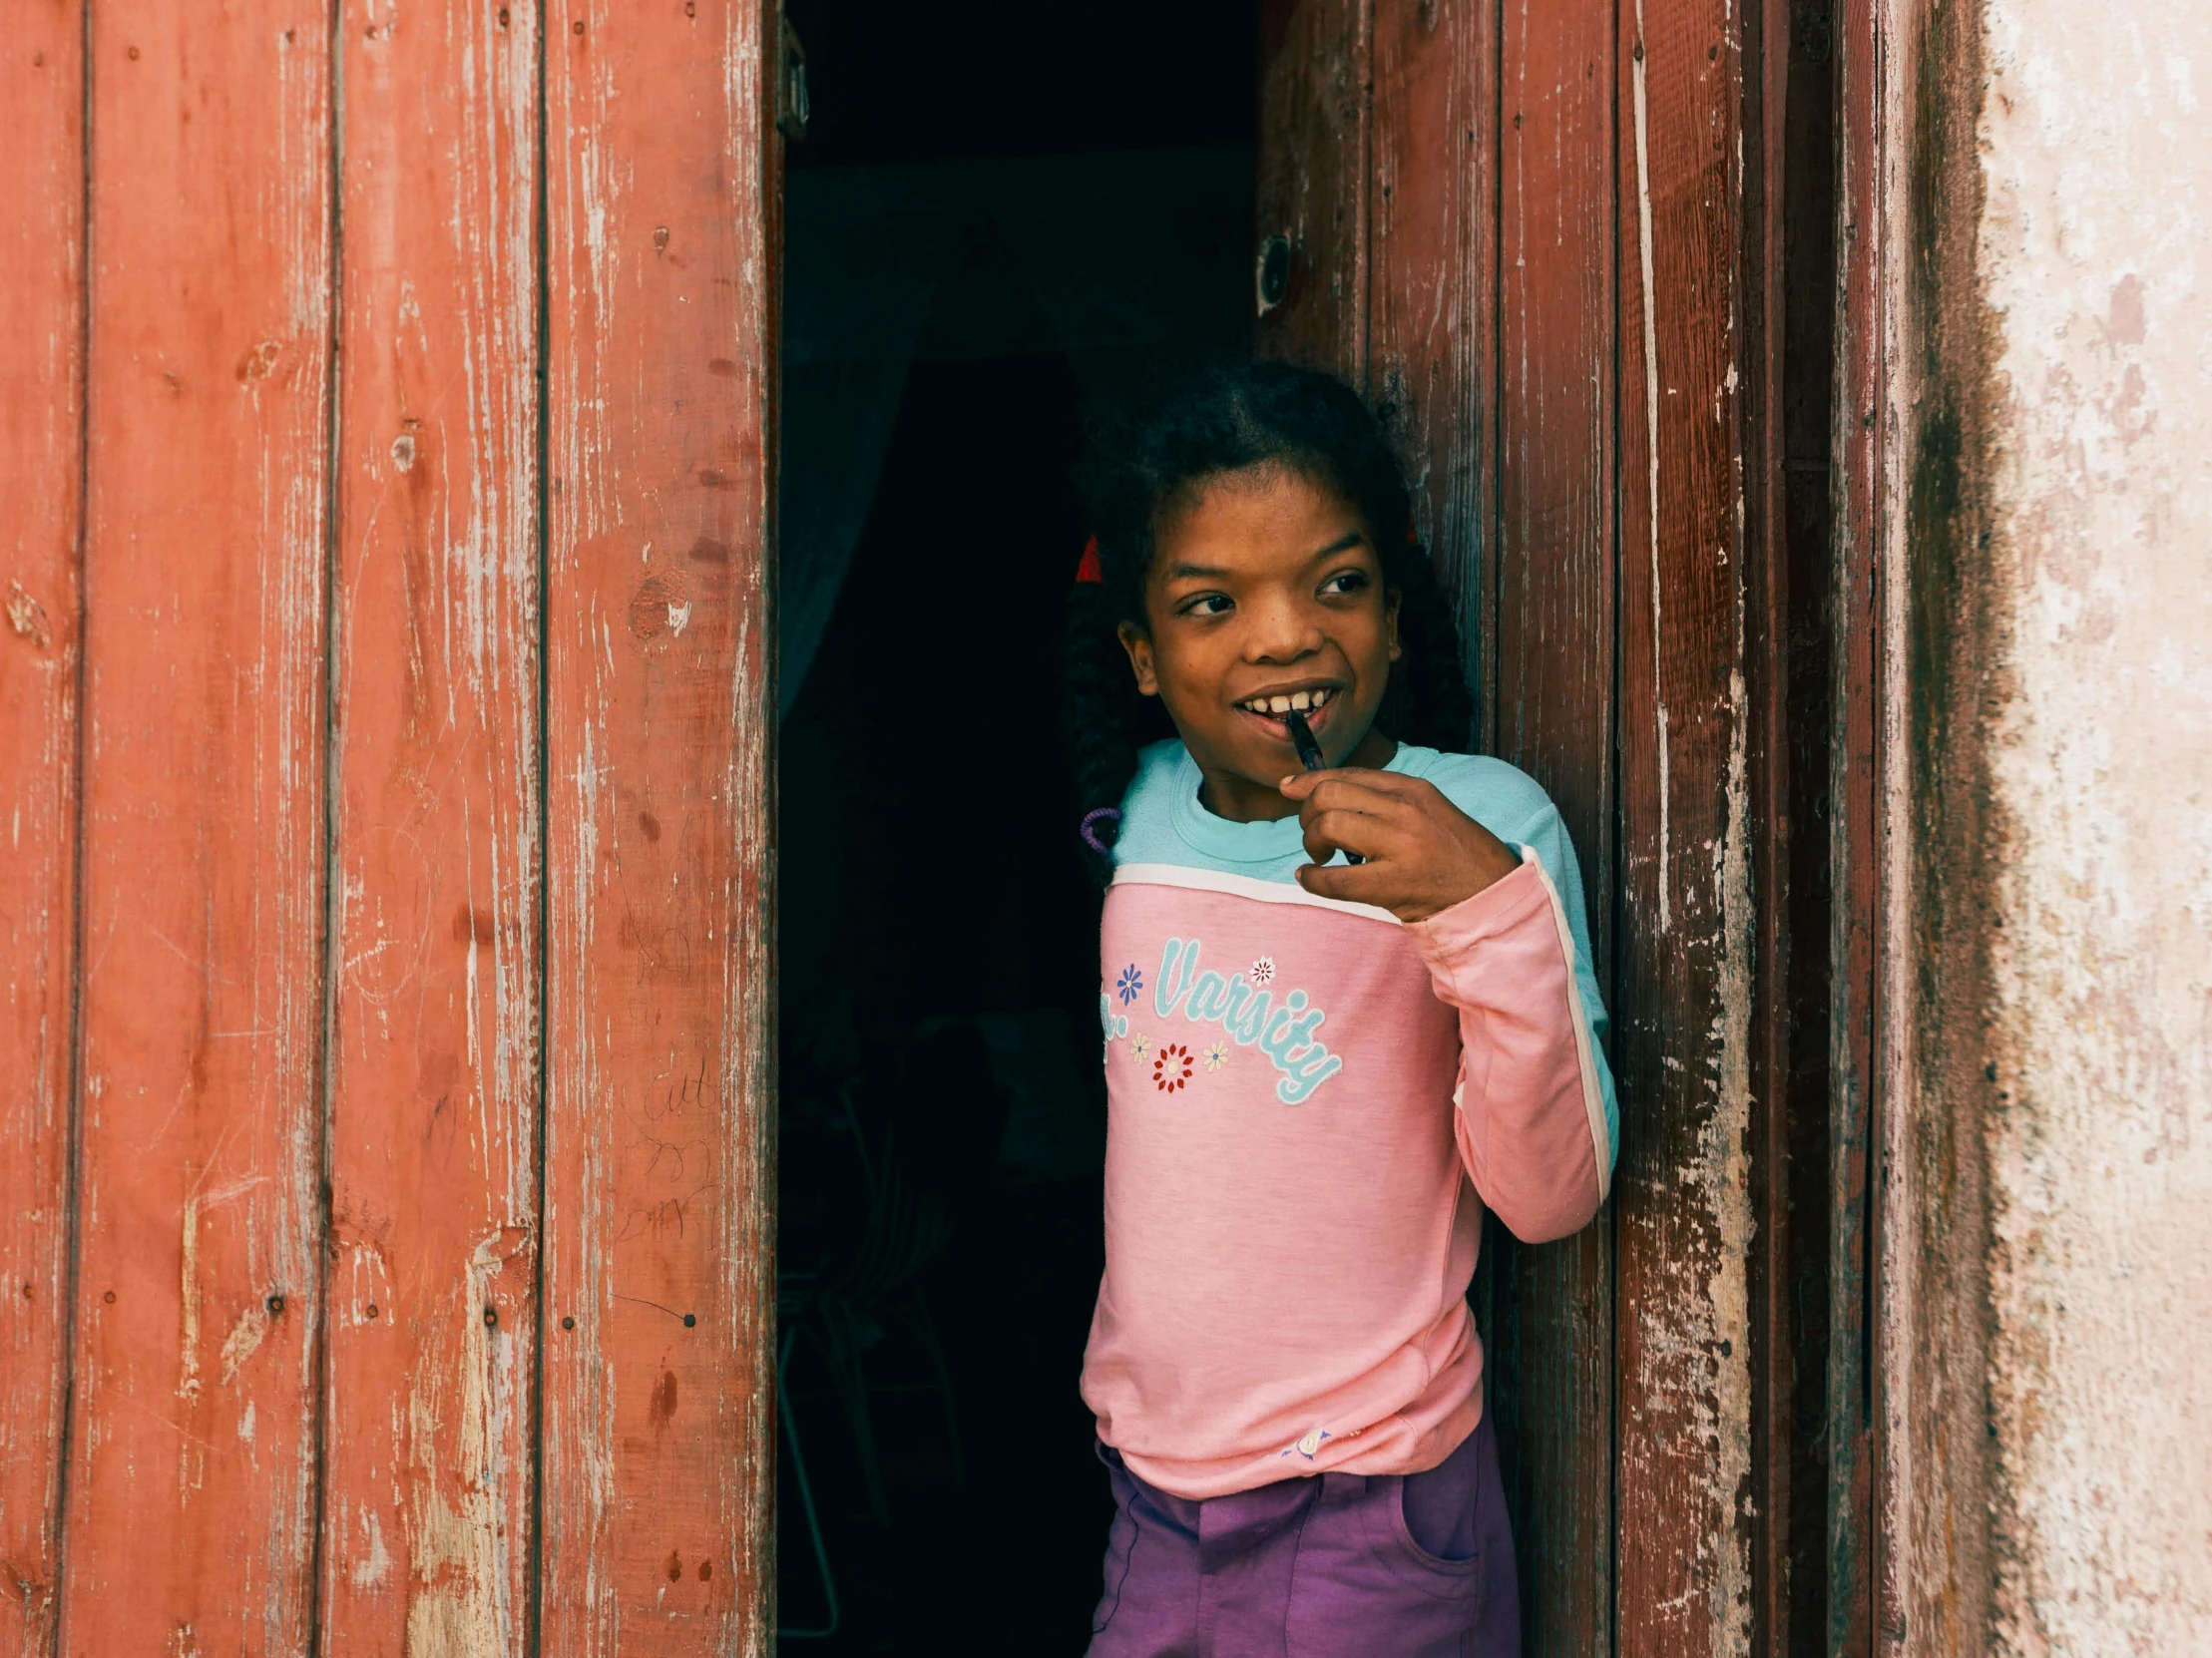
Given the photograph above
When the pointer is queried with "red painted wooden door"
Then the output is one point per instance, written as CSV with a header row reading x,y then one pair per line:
x,y
1546,240
385,731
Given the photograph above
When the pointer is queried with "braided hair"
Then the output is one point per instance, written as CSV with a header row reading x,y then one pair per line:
x,y
1226,420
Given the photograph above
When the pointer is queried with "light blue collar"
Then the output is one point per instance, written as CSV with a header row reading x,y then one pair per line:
x,y
1229,842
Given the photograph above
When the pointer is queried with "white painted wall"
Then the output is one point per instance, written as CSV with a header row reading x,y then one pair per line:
x,y
2095,254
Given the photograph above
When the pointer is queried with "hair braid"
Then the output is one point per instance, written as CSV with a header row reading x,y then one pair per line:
x,y
1104,720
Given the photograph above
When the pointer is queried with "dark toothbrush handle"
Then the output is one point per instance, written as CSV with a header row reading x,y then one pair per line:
x,y
1311,757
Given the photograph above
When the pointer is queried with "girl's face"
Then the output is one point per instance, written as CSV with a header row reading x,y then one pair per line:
x,y
1265,593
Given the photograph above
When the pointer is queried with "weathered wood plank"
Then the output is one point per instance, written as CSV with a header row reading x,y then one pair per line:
x,y
1312,189
1556,408
41,464
1685,1223
1557,675
1784,304
663,181
434,1069
194,1427
1856,813
1431,349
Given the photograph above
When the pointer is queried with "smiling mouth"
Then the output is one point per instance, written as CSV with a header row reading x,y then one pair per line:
x,y
1317,703
1305,701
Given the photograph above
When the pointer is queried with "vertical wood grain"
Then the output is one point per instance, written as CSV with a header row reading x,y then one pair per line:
x,y
1555,621
1556,411
662,192
1685,1221
1312,189
434,1067
41,464
1433,290
191,1512
1857,810
1772,584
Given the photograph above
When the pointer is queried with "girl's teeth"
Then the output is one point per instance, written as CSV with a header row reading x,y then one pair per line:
x,y
1304,701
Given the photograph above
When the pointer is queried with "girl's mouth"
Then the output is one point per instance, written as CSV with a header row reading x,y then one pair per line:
x,y
1315,704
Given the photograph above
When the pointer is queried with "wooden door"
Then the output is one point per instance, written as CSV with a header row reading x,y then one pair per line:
x,y
385,718
1545,240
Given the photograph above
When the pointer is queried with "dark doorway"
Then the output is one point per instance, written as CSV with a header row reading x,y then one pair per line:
x,y
997,229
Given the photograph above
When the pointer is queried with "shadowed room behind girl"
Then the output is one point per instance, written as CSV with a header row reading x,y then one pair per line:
x,y
997,227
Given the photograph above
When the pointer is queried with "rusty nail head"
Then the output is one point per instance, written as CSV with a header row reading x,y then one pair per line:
x,y
276,1305
372,1309
576,28
567,1323
109,1298
491,1317
691,1319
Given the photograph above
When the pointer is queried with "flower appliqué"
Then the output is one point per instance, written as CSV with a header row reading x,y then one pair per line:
x,y
1140,1047
1216,1056
1173,1069
1129,984
1263,971
1308,1445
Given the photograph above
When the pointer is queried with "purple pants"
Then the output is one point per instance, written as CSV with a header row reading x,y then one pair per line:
x,y
1327,1565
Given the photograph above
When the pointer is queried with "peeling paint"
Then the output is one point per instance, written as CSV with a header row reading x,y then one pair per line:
x,y
1649,311
245,1338
372,1566
188,1332
2096,253
27,616
1724,1181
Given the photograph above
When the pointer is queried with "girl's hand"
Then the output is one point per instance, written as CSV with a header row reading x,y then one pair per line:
x,y
1422,853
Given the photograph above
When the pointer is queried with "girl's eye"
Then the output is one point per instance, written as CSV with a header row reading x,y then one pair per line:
x,y
1345,581
1205,604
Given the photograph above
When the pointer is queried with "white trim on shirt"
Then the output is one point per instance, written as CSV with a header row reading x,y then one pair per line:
x,y
1247,886
1593,1097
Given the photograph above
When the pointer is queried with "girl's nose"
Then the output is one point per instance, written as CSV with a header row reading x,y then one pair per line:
x,y
1282,633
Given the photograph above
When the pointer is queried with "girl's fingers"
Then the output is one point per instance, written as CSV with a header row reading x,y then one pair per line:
x,y
1323,785
1337,830
1344,795
1353,883
1391,783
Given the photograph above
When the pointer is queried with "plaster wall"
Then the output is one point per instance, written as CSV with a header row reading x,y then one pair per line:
x,y
2094,257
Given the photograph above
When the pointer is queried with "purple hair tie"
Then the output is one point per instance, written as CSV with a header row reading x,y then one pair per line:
x,y
1091,840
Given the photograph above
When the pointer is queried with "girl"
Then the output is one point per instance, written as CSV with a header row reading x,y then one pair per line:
x,y
1343,1011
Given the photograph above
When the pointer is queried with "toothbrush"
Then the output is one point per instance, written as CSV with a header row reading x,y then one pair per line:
x,y
1310,756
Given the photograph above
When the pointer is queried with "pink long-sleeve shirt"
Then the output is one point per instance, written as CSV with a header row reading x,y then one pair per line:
x,y
1309,1106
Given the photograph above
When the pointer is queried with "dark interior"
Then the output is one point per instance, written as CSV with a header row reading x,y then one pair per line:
x,y
1002,221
